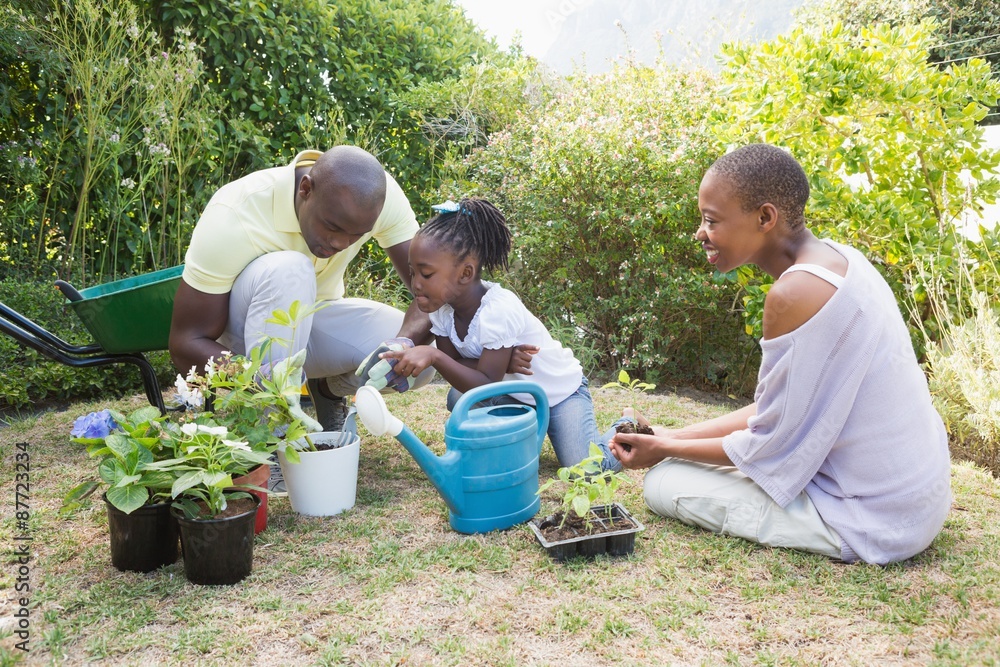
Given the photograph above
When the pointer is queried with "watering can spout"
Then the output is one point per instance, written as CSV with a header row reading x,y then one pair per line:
x,y
440,470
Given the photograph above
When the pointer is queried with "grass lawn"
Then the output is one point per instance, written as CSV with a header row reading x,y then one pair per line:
x,y
390,583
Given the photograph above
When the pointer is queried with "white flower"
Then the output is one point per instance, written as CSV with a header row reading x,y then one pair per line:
x,y
189,396
194,429
235,444
210,366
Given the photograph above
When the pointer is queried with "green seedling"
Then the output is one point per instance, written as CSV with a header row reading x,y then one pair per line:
x,y
586,484
626,382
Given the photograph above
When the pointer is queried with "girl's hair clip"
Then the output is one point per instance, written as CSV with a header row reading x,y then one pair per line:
x,y
447,207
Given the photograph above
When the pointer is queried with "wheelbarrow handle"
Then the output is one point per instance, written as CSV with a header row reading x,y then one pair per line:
x,y
69,291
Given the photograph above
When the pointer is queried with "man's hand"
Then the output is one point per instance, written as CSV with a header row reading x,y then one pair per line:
x,y
380,373
520,359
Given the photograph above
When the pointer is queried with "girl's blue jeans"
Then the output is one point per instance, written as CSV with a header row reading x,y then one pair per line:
x,y
572,426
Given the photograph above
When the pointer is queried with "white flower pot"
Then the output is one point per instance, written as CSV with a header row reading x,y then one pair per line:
x,y
324,483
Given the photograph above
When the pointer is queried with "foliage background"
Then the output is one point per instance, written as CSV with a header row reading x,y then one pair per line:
x,y
119,120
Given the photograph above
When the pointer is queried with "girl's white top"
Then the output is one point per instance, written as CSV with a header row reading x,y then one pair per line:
x,y
503,321
844,413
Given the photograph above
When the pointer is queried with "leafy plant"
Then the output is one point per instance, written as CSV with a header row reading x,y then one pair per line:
x,y
204,464
626,382
885,138
964,374
195,454
584,485
599,182
128,445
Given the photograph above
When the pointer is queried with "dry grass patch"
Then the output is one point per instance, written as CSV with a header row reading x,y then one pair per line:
x,y
390,583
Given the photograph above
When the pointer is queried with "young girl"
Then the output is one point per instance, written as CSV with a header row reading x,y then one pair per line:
x,y
478,323
842,452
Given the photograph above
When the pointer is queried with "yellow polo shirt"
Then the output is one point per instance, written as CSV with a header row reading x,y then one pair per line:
x,y
255,215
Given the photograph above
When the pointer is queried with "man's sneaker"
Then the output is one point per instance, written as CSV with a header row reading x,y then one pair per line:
x,y
330,410
276,483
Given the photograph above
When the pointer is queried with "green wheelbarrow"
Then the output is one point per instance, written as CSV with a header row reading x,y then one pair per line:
x,y
126,318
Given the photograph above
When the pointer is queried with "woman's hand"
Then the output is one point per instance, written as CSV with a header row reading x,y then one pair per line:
x,y
636,450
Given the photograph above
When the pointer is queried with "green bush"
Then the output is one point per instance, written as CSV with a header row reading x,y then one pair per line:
x,y
297,70
885,138
965,383
28,377
600,188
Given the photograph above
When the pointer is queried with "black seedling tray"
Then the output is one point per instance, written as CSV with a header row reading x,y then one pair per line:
x,y
613,543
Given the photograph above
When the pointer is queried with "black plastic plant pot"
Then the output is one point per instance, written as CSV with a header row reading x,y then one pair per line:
x,y
144,540
218,552
613,541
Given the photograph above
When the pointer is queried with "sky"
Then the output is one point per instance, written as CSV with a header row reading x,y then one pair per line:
x,y
537,20
592,33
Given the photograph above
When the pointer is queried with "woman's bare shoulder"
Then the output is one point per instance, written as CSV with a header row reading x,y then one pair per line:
x,y
792,301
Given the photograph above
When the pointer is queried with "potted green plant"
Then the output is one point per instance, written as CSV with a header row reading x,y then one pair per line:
x,y
216,520
145,455
257,401
142,533
589,522
321,470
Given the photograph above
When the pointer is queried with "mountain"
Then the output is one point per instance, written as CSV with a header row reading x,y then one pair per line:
x,y
689,32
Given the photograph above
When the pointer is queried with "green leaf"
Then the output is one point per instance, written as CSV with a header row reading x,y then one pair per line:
x,y
581,505
120,444
186,481
128,480
128,498
81,491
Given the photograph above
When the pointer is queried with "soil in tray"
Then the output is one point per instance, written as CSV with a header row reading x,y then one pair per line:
x,y
575,526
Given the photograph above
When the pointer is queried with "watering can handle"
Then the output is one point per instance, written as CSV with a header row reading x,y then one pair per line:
x,y
483,392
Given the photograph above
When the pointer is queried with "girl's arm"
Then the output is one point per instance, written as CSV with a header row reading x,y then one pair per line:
x,y
446,361
520,356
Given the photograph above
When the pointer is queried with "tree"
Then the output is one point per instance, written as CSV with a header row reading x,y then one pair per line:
x,y
301,70
884,136
967,28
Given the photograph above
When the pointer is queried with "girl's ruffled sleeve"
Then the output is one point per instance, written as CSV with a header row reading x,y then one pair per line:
x,y
502,321
441,322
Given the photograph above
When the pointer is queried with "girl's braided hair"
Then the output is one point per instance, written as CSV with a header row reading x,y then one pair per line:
x,y
476,228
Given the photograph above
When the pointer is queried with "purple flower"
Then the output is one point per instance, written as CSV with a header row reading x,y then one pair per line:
x,y
95,425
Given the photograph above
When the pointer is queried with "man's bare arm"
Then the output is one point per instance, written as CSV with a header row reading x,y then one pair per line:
x,y
198,321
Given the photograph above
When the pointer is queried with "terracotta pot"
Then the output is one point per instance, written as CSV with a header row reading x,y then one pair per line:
x,y
257,477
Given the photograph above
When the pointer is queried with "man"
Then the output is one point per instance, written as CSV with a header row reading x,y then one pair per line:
x,y
289,233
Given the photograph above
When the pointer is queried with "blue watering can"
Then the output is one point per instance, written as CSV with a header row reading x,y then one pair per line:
x,y
488,475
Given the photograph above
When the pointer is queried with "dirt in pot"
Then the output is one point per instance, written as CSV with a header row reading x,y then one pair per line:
x,y
234,507
630,427
324,446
